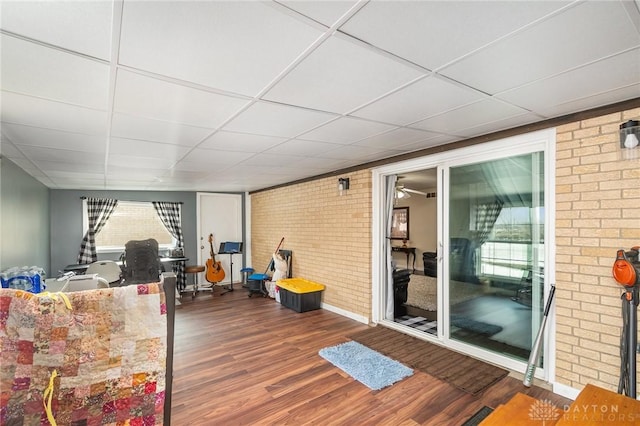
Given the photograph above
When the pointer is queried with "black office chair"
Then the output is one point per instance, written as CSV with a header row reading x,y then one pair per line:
x,y
141,262
401,278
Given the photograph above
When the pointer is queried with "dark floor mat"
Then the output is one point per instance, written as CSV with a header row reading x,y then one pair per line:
x,y
466,373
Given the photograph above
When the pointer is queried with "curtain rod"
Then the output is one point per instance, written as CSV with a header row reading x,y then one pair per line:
x,y
138,201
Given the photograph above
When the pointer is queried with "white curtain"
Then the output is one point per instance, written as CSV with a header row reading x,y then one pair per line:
x,y
389,200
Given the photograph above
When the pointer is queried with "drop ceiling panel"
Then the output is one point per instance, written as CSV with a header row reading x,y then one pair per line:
x,y
120,146
36,70
434,33
162,100
587,102
548,96
337,77
69,183
129,127
65,158
500,124
584,33
427,97
142,161
81,26
208,159
346,130
466,117
265,118
244,142
236,46
67,166
271,163
352,152
302,148
66,175
134,173
396,138
241,96
38,112
325,12
25,136
428,143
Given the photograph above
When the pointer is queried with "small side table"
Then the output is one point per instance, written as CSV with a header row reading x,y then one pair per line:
x,y
408,251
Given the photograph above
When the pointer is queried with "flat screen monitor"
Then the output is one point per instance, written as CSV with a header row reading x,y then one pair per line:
x,y
230,247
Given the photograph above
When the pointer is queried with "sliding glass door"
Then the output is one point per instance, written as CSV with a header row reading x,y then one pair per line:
x,y
495,235
479,285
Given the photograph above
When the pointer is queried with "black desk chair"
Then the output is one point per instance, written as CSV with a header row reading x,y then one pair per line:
x,y
141,262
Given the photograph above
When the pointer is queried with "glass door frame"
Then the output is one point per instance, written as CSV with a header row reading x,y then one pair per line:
x,y
544,141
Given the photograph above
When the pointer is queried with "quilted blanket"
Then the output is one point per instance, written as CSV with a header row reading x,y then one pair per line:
x,y
100,355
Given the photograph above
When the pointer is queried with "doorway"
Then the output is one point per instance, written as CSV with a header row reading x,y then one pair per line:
x,y
414,251
220,216
492,252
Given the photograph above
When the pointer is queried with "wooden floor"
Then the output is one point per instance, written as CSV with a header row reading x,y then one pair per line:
x,y
251,361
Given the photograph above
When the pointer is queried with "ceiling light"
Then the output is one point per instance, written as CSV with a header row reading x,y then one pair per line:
x,y
343,185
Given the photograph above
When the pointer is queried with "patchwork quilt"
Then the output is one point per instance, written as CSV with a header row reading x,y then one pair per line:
x,y
100,356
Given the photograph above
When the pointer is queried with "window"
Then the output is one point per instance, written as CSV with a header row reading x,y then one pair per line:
x,y
507,252
130,221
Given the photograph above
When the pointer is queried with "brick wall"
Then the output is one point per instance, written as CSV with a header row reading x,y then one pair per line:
x,y
330,236
597,213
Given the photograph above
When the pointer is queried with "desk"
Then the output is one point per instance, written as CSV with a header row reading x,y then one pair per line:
x,y
79,268
408,251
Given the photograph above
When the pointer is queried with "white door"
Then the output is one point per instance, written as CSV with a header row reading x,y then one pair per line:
x,y
220,215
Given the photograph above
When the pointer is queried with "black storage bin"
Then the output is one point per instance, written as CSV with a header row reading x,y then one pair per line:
x,y
300,302
299,294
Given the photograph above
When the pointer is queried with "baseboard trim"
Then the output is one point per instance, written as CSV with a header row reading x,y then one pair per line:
x,y
344,313
566,391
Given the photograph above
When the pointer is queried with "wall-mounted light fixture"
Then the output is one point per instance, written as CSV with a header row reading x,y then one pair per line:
x,y
343,185
630,139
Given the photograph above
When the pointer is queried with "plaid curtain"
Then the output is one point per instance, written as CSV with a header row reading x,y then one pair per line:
x,y
98,210
486,216
170,216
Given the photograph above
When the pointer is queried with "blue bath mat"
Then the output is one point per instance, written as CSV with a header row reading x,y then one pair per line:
x,y
367,366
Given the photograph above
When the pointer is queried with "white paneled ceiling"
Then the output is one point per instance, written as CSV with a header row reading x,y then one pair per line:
x,y
244,95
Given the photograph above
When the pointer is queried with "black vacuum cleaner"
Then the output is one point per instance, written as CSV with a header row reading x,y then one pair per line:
x,y
626,271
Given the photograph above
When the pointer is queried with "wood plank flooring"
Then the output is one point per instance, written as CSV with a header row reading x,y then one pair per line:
x,y
251,361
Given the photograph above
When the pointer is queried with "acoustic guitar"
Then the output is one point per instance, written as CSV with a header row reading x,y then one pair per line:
x,y
215,272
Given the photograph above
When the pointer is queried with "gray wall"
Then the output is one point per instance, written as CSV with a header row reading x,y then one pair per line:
x,y
24,218
66,221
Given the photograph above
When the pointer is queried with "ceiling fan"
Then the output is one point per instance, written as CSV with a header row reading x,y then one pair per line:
x,y
402,192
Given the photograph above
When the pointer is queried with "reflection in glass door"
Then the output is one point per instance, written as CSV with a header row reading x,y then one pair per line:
x,y
496,253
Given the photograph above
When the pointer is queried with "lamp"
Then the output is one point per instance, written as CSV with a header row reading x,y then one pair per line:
x,y
343,185
629,139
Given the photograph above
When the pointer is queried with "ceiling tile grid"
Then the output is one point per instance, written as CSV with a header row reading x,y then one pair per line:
x,y
239,96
